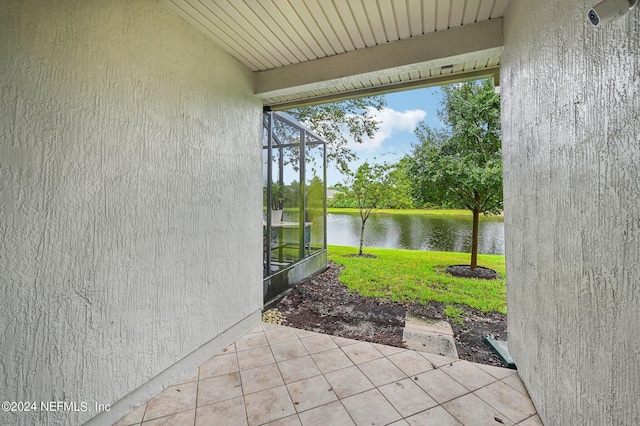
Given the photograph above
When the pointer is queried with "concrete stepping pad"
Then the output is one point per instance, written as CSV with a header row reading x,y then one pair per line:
x,y
429,335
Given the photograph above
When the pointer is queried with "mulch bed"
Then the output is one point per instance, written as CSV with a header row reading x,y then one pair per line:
x,y
322,304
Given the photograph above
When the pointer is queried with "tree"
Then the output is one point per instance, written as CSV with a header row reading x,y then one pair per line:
x,y
371,188
462,163
330,121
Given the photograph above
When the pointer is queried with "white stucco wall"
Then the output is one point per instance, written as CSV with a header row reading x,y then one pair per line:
x,y
571,131
130,212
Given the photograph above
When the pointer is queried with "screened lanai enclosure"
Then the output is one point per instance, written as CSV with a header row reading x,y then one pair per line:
x,y
294,203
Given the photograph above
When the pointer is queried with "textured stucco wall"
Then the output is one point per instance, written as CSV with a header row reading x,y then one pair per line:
x,y
130,176
571,129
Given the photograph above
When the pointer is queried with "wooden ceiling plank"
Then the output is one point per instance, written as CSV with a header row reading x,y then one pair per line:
x,y
338,25
469,65
484,12
456,13
375,17
252,25
362,21
443,8
471,12
342,7
221,33
500,8
300,27
272,18
415,17
388,20
402,19
313,25
428,16
325,26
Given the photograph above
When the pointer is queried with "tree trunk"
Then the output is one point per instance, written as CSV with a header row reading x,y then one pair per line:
x,y
362,236
474,233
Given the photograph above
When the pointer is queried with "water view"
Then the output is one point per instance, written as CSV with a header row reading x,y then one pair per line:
x,y
417,232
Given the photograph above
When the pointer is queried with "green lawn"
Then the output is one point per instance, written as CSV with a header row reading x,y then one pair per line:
x,y
419,276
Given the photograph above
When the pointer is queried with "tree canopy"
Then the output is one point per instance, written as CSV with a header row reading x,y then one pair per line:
x,y
462,163
329,121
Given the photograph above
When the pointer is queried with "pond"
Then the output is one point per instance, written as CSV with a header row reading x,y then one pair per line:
x,y
417,232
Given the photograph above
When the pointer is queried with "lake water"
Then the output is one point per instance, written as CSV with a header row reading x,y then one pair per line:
x,y
417,232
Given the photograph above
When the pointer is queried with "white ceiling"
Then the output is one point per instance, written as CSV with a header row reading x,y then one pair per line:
x,y
267,35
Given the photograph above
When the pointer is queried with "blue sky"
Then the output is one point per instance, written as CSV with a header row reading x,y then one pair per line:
x,y
393,140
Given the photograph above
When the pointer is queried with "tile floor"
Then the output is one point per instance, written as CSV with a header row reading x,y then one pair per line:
x,y
276,375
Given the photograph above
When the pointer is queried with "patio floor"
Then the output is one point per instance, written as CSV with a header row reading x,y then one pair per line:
x,y
278,375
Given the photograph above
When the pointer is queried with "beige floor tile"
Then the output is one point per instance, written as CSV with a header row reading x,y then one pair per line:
x,y
515,382
287,421
440,386
411,363
400,423
133,418
467,374
342,341
497,372
279,335
472,411
255,358
288,350
268,405
348,381
256,329
172,400
251,341
330,414
436,416
304,333
184,418
219,365
361,408
532,421
220,388
407,397
226,413
333,380
362,352
331,360
189,377
319,343
229,349
381,371
507,400
438,360
261,378
310,393
298,369
388,350
266,326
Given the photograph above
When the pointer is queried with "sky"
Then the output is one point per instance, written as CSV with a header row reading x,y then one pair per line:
x,y
395,135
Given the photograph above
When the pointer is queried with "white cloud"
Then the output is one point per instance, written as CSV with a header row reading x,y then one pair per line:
x,y
391,122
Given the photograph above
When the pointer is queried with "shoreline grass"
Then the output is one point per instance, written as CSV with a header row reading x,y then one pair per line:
x,y
419,212
419,276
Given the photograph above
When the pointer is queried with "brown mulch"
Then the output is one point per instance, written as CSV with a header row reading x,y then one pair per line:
x,y
322,304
